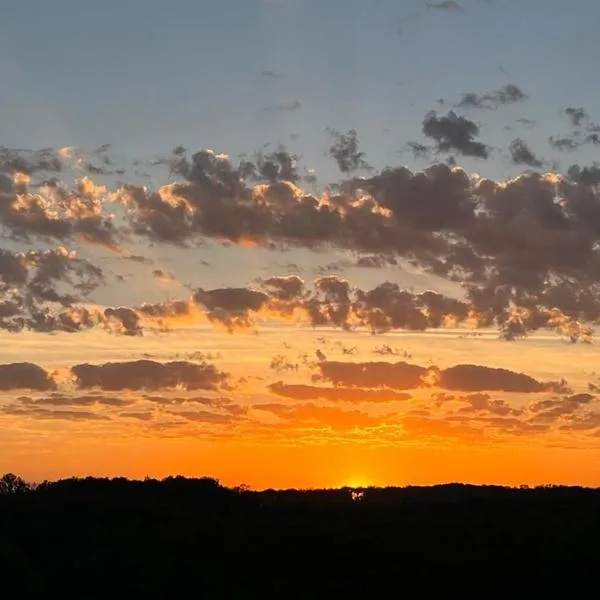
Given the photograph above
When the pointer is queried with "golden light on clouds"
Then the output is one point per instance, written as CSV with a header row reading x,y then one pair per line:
x,y
236,319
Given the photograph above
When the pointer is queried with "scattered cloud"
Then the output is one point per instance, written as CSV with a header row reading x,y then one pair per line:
x,y
521,154
508,94
454,134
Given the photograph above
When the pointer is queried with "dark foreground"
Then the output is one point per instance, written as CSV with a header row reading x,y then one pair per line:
x,y
175,538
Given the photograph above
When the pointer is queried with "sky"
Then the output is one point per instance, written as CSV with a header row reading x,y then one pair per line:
x,y
300,243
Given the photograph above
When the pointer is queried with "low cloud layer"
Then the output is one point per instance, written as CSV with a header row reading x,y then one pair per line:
x,y
406,376
148,375
25,376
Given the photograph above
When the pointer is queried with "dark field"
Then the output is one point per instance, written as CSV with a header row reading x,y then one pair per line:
x,y
101,538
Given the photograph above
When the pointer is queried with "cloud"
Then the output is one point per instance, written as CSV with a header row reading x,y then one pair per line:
x,y
269,74
508,94
590,420
332,302
61,399
54,212
454,133
585,131
486,234
553,408
476,378
577,115
148,375
140,416
564,143
446,5
345,152
26,376
231,307
292,106
139,259
405,376
375,261
46,414
337,394
287,288
394,376
61,406
163,276
29,162
524,249
521,154
204,416
29,282
311,415
478,403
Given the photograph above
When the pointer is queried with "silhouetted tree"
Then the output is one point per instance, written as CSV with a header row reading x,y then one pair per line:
x,y
13,484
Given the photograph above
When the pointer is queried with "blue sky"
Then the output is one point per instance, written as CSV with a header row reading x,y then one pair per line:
x,y
146,76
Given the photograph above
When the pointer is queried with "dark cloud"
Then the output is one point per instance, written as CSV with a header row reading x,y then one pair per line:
x,y
375,261
552,409
46,414
577,115
30,283
480,403
477,378
272,167
231,306
148,375
162,275
60,399
454,134
333,302
285,288
418,150
394,376
336,394
508,94
488,235
219,403
525,250
128,320
406,376
585,131
586,422
140,416
563,143
521,154
345,152
25,376
29,162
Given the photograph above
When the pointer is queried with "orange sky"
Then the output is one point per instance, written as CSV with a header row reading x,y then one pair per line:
x,y
248,433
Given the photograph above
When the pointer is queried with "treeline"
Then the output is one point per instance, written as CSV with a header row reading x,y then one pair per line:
x,y
155,537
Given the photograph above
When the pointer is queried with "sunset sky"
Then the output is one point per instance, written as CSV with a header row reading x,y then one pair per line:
x,y
301,243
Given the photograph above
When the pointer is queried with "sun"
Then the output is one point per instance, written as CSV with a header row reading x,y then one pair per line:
x,y
357,482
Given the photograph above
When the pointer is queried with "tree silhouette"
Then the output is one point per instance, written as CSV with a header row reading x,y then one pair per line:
x,y
13,484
